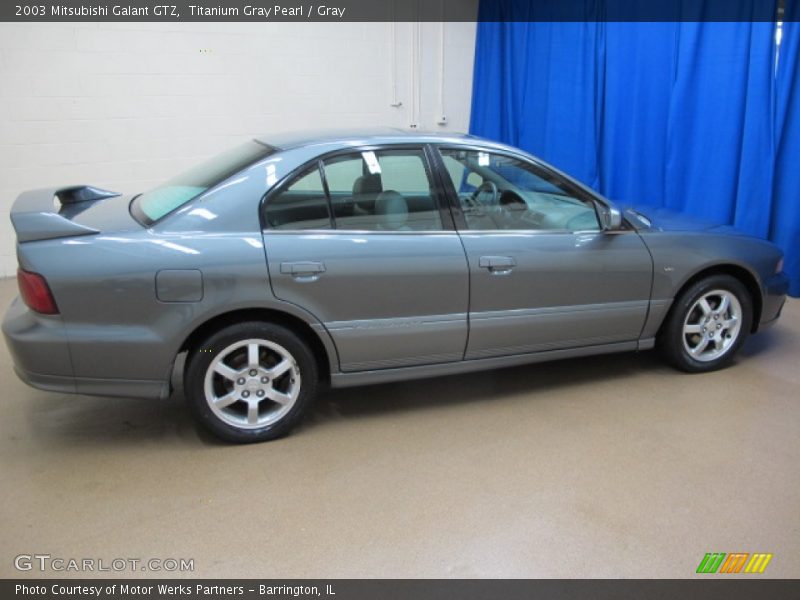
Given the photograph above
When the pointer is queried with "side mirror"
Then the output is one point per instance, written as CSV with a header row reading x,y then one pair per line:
x,y
612,218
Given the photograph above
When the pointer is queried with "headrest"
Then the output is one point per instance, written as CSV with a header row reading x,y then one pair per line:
x,y
393,208
367,184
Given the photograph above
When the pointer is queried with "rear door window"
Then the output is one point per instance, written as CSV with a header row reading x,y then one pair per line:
x,y
301,205
382,190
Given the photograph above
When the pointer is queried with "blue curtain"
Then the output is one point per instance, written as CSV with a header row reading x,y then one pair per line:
x,y
520,80
698,117
784,226
639,74
719,128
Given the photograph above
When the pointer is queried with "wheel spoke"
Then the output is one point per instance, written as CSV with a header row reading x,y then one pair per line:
x,y
252,354
701,346
724,305
278,397
704,306
280,368
226,400
252,412
698,328
222,369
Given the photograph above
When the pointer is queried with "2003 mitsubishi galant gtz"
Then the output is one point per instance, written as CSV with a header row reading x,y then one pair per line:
x,y
361,258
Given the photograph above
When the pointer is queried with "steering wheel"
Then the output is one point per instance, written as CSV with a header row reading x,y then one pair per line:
x,y
485,187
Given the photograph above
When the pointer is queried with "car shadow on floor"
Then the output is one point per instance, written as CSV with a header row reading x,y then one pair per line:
x,y
79,420
483,386
532,379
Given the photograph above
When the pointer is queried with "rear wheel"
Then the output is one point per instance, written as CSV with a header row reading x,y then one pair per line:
x,y
707,325
251,382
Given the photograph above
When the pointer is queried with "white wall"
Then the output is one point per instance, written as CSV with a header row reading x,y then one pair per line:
x,y
124,106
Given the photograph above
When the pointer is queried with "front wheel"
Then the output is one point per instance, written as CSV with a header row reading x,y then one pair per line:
x,y
250,382
707,325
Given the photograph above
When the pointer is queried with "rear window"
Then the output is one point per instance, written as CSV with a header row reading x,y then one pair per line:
x,y
149,207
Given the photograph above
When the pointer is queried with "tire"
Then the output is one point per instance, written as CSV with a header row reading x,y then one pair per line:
x,y
250,382
707,324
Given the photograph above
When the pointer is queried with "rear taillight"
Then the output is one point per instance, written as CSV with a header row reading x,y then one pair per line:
x,y
36,293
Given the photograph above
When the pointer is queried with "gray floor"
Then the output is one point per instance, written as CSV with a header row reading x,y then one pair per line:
x,y
613,466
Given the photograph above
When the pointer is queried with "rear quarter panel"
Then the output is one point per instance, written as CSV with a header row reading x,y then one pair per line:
x,y
105,284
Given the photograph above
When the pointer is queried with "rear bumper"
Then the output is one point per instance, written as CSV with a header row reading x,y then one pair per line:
x,y
775,290
117,388
40,351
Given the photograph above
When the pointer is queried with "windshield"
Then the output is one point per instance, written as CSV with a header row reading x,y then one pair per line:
x,y
149,207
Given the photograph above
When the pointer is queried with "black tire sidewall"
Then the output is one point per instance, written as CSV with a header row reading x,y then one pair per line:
x,y
672,335
200,358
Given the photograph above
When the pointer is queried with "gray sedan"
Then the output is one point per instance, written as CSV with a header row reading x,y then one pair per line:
x,y
303,260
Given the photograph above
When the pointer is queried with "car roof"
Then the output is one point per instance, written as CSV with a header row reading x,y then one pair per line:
x,y
349,137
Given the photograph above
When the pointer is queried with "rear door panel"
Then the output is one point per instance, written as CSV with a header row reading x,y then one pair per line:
x,y
387,299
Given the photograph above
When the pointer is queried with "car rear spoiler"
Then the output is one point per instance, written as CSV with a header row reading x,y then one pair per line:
x,y
45,214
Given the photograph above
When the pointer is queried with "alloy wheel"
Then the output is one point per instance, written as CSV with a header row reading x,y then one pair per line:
x,y
712,325
252,383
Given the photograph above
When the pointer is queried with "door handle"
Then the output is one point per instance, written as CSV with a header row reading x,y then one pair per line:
x,y
302,269
498,265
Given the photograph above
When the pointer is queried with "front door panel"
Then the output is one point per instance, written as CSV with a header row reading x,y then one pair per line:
x,y
564,290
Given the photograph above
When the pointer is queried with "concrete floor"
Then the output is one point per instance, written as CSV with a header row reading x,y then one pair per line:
x,y
613,466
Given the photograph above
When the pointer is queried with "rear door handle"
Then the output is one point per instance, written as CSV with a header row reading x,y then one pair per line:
x,y
303,268
498,265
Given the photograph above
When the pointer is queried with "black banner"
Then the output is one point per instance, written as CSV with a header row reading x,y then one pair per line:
x,y
416,589
389,10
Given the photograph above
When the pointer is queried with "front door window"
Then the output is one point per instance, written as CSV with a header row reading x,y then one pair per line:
x,y
499,192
